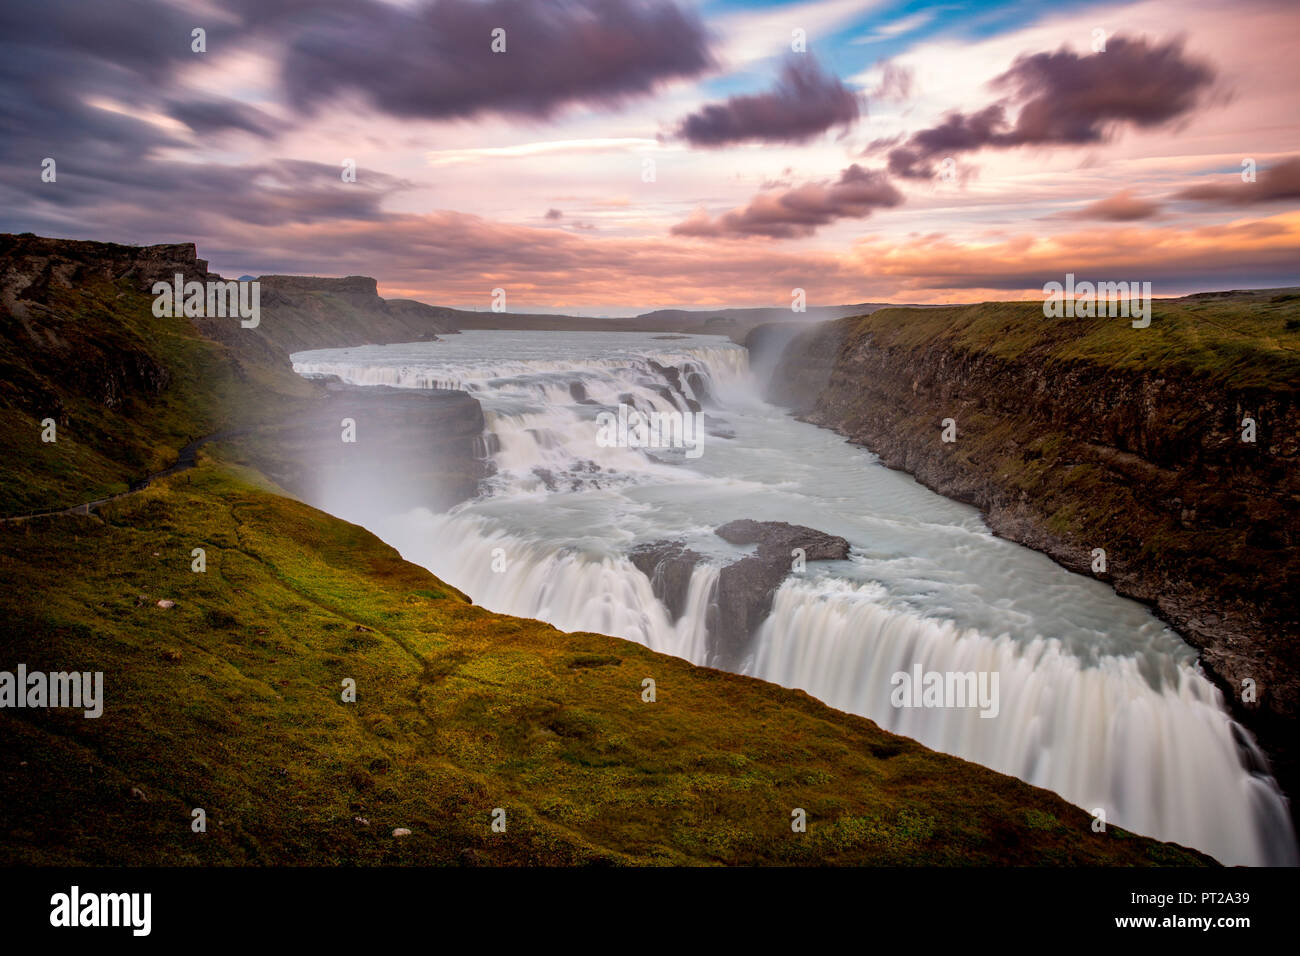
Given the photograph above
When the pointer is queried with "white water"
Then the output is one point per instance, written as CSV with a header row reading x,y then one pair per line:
x,y
1098,700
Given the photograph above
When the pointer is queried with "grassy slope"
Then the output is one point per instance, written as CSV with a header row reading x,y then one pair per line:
x,y
101,449
230,701
1248,341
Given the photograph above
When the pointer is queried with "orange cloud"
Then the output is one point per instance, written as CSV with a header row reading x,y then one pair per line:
x,y
1253,252
449,257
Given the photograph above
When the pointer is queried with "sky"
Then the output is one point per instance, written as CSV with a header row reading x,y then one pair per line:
x,y
606,157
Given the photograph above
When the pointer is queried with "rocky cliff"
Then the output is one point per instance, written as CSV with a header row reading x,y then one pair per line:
x,y
1085,434
410,448
316,313
126,389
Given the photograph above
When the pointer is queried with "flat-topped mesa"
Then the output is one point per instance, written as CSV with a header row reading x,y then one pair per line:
x,y
301,313
61,308
745,588
361,286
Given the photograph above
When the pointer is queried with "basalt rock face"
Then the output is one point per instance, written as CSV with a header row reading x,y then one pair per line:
x,y
668,565
1068,455
30,265
55,350
745,588
89,398
412,448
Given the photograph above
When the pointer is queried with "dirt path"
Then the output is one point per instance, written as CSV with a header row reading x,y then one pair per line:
x,y
187,459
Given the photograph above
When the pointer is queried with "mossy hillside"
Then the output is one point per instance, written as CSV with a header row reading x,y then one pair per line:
x,y
1235,341
230,701
126,388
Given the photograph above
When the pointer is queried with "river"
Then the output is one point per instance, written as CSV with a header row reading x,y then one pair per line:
x,y
1097,699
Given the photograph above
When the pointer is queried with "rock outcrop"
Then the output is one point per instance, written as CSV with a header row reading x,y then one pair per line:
x,y
745,588
412,448
668,565
53,348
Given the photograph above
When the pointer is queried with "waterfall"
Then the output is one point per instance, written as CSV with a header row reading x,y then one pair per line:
x,y
1161,761
1097,700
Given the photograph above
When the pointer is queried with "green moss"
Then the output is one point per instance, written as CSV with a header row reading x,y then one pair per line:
x,y
232,701
1244,341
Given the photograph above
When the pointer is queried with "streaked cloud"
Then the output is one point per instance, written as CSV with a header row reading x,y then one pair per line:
x,y
805,102
436,59
452,157
897,28
1278,182
799,211
1121,207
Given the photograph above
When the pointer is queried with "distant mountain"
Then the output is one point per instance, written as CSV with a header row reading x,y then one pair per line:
x,y
736,323
815,313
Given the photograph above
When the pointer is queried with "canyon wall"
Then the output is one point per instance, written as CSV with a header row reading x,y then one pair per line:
x,y
1076,435
127,389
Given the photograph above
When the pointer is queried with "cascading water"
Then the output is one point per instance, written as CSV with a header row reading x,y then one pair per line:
x,y
1097,700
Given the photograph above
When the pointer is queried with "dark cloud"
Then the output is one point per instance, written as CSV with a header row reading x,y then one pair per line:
x,y
1064,98
1121,207
206,115
554,214
1278,182
800,211
435,60
152,200
958,133
77,81
118,41
71,74
804,103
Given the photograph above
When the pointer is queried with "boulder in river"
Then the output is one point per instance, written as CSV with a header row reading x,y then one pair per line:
x,y
745,588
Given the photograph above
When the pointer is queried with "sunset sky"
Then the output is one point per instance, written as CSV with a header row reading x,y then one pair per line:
x,y
914,152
